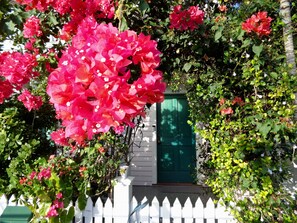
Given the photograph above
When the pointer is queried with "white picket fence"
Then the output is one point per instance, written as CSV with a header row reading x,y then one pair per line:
x,y
155,212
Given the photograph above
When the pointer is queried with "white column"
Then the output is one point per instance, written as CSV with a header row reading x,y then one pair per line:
x,y
122,196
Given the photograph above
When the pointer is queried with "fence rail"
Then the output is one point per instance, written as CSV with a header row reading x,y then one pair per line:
x,y
155,212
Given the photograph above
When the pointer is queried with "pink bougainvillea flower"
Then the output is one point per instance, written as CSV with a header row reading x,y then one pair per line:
x,y
52,212
17,68
93,89
186,19
258,23
32,175
59,195
45,173
59,137
227,111
58,204
77,9
5,90
30,101
32,27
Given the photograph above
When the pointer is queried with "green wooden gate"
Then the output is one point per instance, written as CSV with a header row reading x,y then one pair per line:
x,y
176,153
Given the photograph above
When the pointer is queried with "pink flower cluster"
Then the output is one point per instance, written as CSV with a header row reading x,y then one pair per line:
x,y
78,10
32,27
44,173
182,20
258,23
16,70
30,101
57,204
95,88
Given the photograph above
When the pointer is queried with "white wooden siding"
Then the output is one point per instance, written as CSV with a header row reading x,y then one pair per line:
x,y
143,165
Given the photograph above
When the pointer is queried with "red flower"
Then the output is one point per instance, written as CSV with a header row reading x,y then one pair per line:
x,y
23,180
101,150
222,101
227,111
30,101
82,169
32,27
258,23
190,18
238,100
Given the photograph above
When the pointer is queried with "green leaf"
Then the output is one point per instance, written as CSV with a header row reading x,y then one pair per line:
x,y
187,67
82,201
257,49
143,6
273,75
264,128
218,33
70,214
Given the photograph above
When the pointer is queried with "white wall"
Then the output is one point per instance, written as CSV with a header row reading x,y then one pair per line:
x,y
144,162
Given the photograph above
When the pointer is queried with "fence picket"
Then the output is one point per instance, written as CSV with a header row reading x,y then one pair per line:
x,y
78,217
188,211
165,211
3,203
12,201
155,211
88,212
144,213
20,202
176,211
107,211
98,211
198,211
209,211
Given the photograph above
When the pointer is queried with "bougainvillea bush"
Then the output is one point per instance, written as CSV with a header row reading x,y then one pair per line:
x,y
84,71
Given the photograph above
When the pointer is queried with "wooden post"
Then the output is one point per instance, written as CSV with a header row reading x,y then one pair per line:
x,y
122,196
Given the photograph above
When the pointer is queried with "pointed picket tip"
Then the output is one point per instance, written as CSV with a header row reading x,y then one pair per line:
x,y
144,199
108,203
155,200
199,203
3,199
134,200
176,203
99,202
210,203
188,202
12,201
166,201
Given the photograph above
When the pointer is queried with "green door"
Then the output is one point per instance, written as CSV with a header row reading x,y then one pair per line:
x,y
176,153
